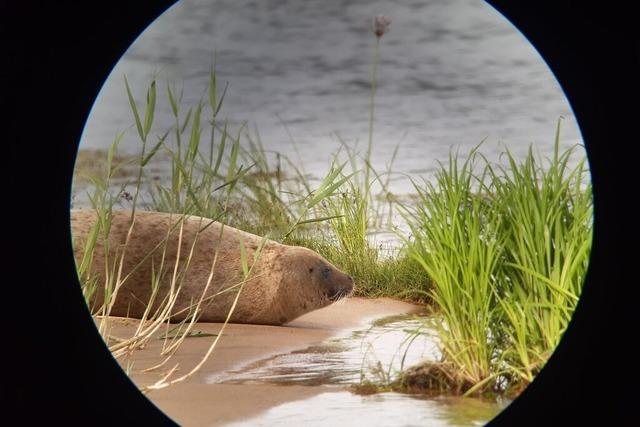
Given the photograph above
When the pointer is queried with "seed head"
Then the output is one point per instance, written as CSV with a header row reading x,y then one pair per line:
x,y
381,25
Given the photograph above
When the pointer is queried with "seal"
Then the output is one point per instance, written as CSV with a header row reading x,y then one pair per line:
x,y
191,256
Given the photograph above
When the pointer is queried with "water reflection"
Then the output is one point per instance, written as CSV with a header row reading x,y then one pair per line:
x,y
377,354
384,409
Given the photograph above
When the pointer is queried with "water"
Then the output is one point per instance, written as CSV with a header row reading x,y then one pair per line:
x,y
377,353
452,73
378,410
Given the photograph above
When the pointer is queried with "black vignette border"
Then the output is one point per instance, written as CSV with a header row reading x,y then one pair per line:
x,y
57,57
594,53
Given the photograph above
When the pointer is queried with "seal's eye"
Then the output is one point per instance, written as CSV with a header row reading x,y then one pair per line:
x,y
311,270
326,271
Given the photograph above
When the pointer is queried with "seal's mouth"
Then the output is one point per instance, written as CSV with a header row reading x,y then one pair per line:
x,y
339,295
341,292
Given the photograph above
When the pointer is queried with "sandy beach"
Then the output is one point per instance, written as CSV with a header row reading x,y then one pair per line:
x,y
195,402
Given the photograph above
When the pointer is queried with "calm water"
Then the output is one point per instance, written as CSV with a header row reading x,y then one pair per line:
x,y
344,409
376,353
451,74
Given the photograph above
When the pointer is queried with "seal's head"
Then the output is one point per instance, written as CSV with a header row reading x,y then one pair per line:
x,y
332,283
309,282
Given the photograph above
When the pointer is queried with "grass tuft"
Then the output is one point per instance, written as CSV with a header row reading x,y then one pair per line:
x,y
507,248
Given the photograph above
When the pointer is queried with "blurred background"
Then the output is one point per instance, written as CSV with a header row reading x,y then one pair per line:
x,y
451,74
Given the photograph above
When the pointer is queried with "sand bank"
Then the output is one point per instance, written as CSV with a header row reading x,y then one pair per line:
x,y
194,402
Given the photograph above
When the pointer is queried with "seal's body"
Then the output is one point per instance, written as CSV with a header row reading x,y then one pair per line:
x,y
284,282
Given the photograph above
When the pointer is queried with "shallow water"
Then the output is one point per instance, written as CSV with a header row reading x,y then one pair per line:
x,y
378,410
377,353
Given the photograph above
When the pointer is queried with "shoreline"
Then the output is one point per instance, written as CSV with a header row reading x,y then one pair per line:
x,y
195,401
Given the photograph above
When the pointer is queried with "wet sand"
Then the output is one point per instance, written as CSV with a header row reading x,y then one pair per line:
x,y
194,402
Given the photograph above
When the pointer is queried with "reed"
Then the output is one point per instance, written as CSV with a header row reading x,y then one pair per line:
x,y
507,248
211,181
454,242
547,216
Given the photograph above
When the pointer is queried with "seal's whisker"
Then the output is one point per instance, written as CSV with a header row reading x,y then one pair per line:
x,y
342,296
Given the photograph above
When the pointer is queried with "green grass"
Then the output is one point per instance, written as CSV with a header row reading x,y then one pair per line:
x,y
454,244
332,218
507,248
